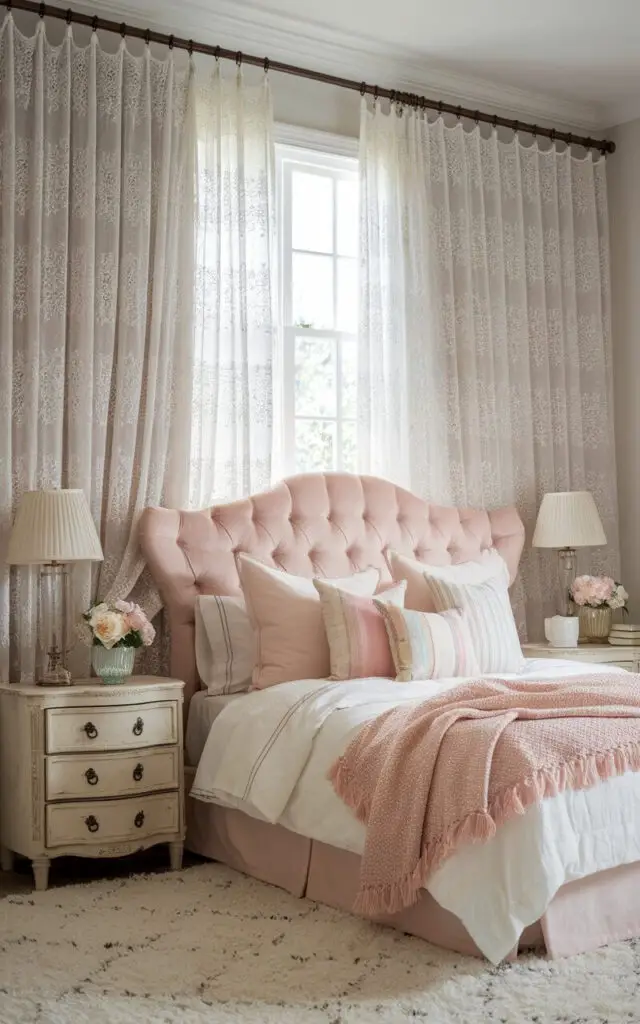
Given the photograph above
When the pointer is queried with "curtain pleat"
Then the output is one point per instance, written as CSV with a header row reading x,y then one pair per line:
x,y
96,269
498,254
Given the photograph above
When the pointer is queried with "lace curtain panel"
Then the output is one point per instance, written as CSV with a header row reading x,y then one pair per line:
x,y
485,327
235,307
96,273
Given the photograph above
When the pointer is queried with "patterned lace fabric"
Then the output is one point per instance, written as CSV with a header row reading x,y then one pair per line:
x,y
96,257
485,342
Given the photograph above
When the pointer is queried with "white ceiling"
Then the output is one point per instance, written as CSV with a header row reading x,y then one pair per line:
x,y
576,61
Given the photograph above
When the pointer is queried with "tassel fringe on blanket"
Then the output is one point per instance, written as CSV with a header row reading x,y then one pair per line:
x,y
372,786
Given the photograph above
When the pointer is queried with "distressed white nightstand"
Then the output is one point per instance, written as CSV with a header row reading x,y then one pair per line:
x,y
90,770
605,654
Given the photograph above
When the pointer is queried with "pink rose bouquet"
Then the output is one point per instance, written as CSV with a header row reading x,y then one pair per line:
x,y
598,592
122,624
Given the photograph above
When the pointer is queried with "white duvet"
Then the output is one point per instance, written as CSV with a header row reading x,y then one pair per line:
x,y
268,753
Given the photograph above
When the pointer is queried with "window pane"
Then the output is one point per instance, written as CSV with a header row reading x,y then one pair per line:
x,y
347,296
349,378
312,290
312,212
315,445
315,377
348,215
349,447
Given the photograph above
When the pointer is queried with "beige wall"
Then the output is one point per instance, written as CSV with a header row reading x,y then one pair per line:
x,y
623,175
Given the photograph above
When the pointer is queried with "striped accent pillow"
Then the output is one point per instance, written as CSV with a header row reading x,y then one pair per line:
x,y
428,645
225,644
358,644
490,619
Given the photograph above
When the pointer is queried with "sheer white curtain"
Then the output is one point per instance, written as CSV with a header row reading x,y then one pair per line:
x,y
235,292
96,278
498,255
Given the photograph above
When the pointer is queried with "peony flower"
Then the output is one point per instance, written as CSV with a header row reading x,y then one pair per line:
x,y
109,627
148,634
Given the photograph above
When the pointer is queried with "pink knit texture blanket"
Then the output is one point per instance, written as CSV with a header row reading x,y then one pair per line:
x,y
428,778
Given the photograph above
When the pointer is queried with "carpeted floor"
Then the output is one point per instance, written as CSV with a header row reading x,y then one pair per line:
x,y
209,945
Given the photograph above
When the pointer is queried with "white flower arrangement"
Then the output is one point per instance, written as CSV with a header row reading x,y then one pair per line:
x,y
598,592
122,624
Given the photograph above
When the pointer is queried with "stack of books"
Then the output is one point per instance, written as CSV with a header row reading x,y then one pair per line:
x,y
624,634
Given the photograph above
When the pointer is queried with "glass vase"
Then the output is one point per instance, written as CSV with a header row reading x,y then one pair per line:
x,y
113,666
595,624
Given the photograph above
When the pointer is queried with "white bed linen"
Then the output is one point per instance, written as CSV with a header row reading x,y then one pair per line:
x,y
204,708
269,756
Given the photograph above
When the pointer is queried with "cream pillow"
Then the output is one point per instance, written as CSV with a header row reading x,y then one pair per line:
x,y
286,615
489,618
419,597
225,644
356,632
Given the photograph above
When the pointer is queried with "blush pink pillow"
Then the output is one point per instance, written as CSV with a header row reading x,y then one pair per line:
x,y
358,641
285,612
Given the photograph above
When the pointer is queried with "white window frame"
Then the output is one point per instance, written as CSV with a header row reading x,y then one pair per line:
x,y
314,161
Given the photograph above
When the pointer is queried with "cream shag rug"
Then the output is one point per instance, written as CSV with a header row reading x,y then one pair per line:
x,y
209,945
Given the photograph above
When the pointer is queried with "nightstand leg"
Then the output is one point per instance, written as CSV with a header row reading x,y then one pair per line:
x,y
40,868
175,855
6,859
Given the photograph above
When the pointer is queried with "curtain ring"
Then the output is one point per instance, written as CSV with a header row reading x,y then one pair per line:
x,y
8,5
375,94
69,16
516,126
190,47
476,117
459,113
171,42
147,36
440,105
570,139
123,30
392,97
363,88
266,65
239,58
94,24
495,121
534,131
217,54
41,11
553,135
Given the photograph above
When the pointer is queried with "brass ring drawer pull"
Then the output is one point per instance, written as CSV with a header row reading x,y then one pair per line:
x,y
91,730
138,727
92,823
91,776
138,772
138,821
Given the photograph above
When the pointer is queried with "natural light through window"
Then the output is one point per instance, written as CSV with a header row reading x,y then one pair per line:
x,y
319,309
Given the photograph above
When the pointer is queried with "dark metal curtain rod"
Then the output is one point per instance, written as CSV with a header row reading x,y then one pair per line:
x,y
395,96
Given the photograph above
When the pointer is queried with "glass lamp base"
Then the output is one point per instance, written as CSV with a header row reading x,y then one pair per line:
x,y
58,676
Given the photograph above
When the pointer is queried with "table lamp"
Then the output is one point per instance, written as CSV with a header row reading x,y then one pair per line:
x,y
51,529
568,520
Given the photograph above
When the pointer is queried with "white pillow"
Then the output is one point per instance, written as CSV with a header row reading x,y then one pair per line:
x,y
225,644
419,597
488,616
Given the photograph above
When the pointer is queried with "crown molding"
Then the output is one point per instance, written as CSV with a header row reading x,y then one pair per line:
x,y
623,112
308,44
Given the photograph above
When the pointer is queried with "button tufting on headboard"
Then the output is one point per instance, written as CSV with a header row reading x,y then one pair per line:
x,y
325,523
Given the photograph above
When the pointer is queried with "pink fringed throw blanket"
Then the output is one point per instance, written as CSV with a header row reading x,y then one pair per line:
x,y
428,778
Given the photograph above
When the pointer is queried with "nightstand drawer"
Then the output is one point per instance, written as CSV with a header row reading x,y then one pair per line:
x,y
86,776
97,821
105,728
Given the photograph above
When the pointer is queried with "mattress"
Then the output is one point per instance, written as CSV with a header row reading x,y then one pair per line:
x,y
272,760
204,708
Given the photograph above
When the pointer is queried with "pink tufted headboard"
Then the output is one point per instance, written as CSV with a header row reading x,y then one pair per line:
x,y
323,524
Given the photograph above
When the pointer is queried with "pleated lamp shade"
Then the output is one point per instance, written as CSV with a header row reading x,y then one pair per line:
x,y
53,526
568,519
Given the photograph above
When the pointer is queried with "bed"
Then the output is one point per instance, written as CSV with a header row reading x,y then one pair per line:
x,y
333,525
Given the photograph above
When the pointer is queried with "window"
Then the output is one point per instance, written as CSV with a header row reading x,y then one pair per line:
x,y
318,216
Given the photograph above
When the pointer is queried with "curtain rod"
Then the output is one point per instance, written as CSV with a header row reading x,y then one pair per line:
x,y
395,96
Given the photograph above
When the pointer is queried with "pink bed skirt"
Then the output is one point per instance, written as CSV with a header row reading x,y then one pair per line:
x,y
583,915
